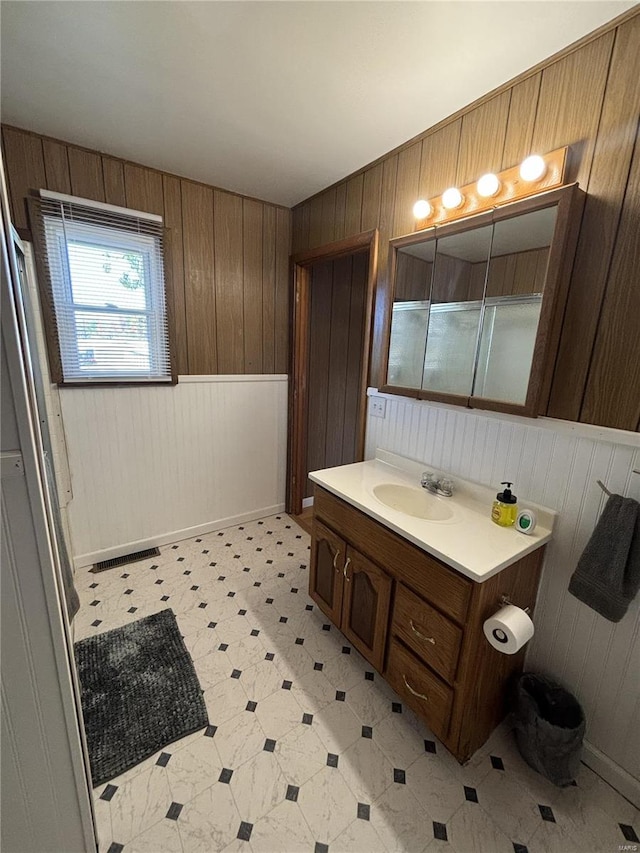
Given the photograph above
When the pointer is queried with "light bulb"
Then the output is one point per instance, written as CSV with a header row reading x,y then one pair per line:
x,y
488,185
533,168
421,209
452,198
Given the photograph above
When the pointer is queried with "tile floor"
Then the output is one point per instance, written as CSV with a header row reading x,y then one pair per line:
x,y
307,748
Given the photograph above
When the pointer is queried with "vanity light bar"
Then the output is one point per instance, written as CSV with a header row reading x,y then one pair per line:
x,y
535,174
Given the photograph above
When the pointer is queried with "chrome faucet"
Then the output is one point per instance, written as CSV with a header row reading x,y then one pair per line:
x,y
437,485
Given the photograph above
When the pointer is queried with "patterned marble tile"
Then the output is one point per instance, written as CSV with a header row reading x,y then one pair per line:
x,y
258,786
279,713
337,727
191,769
162,837
358,837
283,829
327,805
239,739
139,803
210,821
400,821
471,830
365,770
301,754
317,786
225,699
371,701
438,791
511,806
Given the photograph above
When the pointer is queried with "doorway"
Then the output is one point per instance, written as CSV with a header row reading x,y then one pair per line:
x,y
333,298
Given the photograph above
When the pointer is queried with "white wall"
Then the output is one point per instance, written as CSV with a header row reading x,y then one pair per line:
x,y
556,464
152,465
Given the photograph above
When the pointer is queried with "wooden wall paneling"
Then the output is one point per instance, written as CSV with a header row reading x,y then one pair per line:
x,y
321,287
482,138
227,229
283,289
341,200
24,163
300,229
607,183
173,220
143,189
268,287
56,166
406,189
523,107
387,196
569,105
353,215
338,352
252,284
85,169
439,160
315,222
200,293
477,280
328,217
355,350
612,395
113,175
371,188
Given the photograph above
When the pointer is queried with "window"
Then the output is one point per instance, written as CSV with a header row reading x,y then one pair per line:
x,y
102,269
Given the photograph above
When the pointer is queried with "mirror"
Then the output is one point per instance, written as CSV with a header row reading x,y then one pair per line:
x,y
474,300
513,300
457,291
413,272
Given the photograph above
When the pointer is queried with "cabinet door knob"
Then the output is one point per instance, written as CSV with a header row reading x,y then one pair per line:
x,y
344,571
415,692
421,636
335,560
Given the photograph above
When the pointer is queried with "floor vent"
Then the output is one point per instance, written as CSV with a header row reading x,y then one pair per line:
x,y
122,561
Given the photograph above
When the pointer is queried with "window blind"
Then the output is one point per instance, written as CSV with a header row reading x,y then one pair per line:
x,y
104,290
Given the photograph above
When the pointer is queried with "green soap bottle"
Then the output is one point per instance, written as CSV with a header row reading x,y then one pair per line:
x,y
505,507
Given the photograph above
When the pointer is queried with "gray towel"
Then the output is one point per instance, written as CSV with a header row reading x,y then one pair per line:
x,y
608,573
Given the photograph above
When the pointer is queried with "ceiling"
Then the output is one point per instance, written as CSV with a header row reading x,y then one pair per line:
x,y
275,100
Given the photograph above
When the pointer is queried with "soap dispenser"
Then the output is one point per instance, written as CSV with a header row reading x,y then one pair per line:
x,y
505,507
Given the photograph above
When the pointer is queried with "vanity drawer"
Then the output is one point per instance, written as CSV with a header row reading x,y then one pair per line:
x,y
439,584
421,689
425,630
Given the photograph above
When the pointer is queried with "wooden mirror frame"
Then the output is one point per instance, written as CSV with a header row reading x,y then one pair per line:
x,y
569,201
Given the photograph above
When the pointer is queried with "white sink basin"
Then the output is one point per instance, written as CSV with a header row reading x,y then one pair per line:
x,y
416,502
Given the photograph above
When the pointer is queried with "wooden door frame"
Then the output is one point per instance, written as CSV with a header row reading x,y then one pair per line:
x,y
301,264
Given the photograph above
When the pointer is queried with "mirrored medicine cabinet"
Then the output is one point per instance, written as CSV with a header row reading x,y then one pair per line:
x,y
477,304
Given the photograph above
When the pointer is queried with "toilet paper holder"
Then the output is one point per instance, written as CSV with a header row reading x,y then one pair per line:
x,y
504,600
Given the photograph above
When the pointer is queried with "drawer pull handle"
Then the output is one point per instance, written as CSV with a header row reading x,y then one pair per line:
x,y
346,565
335,560
421,636
415,692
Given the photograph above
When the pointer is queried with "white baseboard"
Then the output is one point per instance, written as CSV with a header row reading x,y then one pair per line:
x,y
307,502
89,559
612,773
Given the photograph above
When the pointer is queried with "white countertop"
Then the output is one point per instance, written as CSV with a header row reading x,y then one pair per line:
x,y
469,541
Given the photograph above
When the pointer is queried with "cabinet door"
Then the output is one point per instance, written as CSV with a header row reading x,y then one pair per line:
x,y
326,575
365,609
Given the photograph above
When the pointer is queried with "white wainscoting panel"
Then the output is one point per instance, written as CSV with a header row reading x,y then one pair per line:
x,y
150,465
597,660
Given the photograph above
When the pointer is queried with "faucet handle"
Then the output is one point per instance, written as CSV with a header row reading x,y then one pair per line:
x,y
427,477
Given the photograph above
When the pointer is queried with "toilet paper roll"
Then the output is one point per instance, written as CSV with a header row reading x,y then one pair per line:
x,y
508,629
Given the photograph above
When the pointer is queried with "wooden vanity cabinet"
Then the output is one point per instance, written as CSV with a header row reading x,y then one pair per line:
x,y
418,621
352,591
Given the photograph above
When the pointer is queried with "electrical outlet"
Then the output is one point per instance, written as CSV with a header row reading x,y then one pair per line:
x,y
377,407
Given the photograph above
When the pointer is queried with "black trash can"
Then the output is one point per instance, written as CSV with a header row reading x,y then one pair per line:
x,y
550,725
